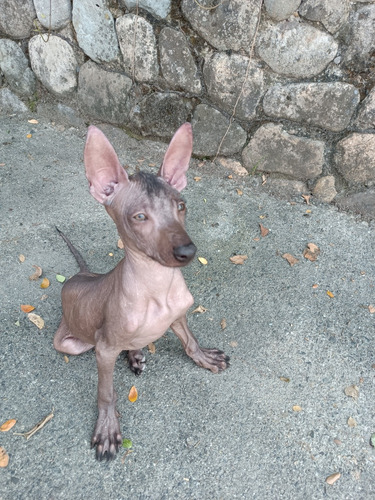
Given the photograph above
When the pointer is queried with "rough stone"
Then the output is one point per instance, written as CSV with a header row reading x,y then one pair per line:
x,y
325,105
224,76
277,45
233,165
14,65
102,94
361,203
286,189
324,189
158,8
177,63
273,150
10,103
331,13
366,114
361,38
16,18
54,64
231,25
53,14
281,10
355,157
209,128
160,114
139,52
95,30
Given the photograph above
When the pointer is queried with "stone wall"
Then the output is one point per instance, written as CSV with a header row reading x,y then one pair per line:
x,y
285,87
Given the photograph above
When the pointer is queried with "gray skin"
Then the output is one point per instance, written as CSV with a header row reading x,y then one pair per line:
x,y
145,294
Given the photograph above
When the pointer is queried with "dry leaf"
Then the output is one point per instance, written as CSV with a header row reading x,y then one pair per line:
x,y
197,179
120,244
21,258
66,359
238,259
44,283
233,343
239,192
37,320
306,197
37,274
292,260
27,308
4,457
371,309
33,121
152,164
151,348
337,441
330,294
351,422
223,324
285,379
203,261
199,309
315,286
333,478
352,391
29,136
230,176
6,426
133,394
311,252
297,408
263,230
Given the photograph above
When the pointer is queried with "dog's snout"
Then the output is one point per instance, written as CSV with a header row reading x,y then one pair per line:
x,y
184,253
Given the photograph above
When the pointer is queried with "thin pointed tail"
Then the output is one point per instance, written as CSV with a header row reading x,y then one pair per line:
x,y
80,261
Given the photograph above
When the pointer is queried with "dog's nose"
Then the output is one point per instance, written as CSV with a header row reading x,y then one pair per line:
x,y
184,253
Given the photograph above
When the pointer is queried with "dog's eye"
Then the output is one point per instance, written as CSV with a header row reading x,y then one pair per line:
x,y
140,217
181,206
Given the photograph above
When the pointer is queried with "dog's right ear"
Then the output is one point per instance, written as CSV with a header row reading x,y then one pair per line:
x,y
103,169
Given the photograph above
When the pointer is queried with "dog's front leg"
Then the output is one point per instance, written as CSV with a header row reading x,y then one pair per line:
x,y
107,435
212,359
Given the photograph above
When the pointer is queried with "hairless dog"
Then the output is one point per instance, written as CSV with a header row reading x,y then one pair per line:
x,y
145,294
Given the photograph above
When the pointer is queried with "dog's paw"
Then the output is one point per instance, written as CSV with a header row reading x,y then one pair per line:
x,y
211,359
107,436
137,361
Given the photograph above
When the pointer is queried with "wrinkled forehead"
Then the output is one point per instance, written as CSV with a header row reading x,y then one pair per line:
x,y
148,190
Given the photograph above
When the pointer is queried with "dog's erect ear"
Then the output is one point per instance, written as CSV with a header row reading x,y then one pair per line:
x,y
177,158
103,169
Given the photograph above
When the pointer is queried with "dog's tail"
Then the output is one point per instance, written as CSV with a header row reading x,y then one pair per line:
x,y
80,261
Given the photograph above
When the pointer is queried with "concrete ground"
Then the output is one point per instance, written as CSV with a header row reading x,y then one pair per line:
x,y
275,425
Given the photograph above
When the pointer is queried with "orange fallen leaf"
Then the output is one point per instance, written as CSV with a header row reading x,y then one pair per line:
x,y
330,294
230,176
371,309
311,252
197,179
27,308
21,258
315,286
66,359
151,348
133,394
239,192
4,457
6,426
37,320
289,258
44,283
223,324
263,230
29,136
120,244
297,408
37,274
238,259
33,121
333,478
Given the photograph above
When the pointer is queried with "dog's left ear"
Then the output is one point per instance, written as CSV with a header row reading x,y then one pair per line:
x,y
177,158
